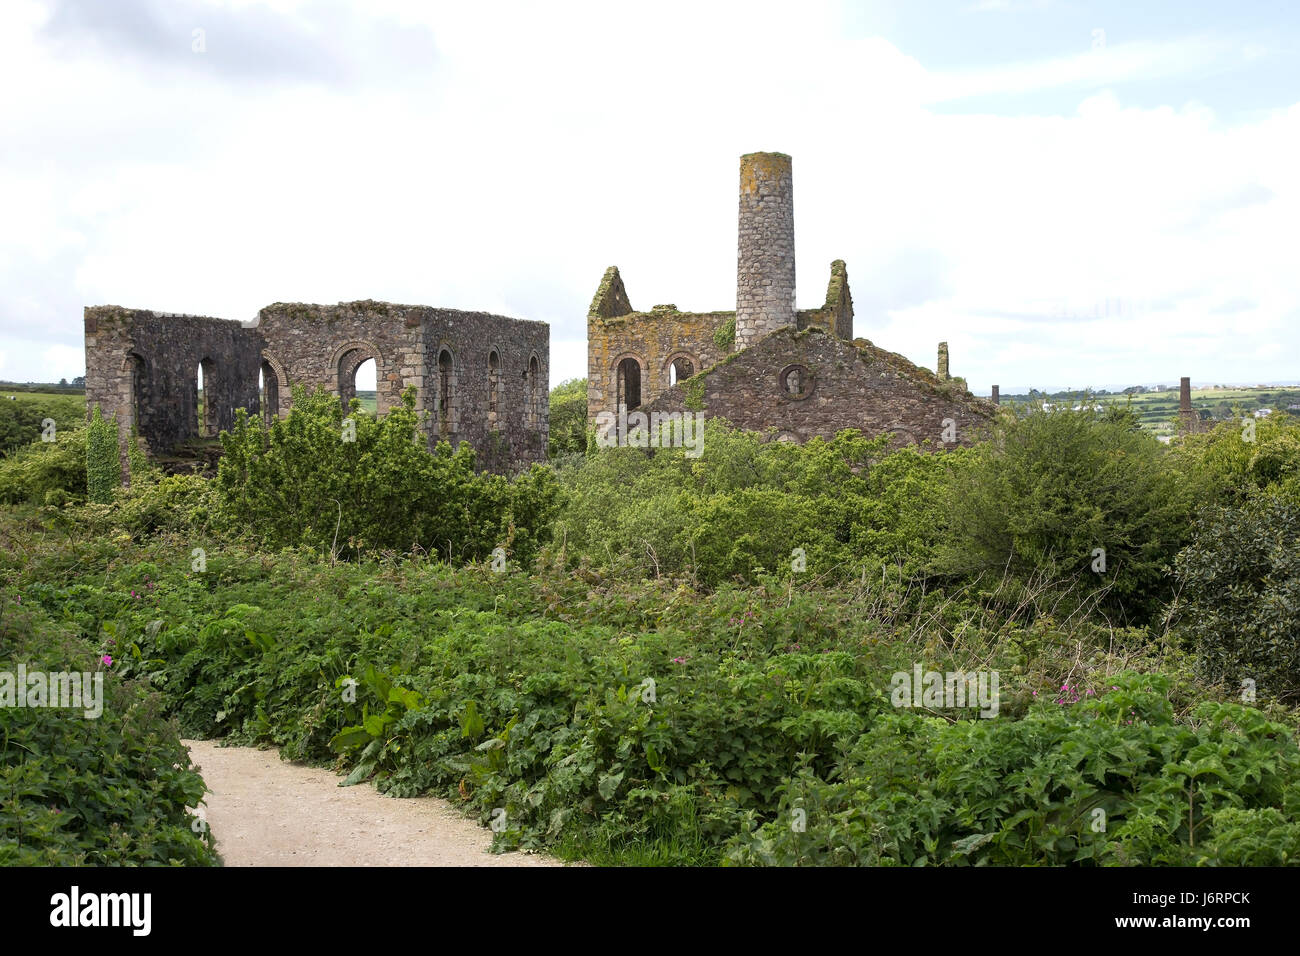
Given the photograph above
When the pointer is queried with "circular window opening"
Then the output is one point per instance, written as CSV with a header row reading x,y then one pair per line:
x,y
796,382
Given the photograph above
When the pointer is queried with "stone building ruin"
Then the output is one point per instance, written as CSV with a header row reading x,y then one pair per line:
x,y
478,378
768,366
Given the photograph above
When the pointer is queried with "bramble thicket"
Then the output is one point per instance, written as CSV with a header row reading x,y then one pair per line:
x,y
644,657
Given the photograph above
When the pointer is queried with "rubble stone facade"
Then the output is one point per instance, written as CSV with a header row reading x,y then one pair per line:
x,y
794,374
479,378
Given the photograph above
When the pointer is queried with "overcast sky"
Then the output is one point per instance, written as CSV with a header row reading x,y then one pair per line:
x,y
1069,193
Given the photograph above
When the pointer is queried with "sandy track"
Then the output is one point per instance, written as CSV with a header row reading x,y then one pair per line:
x,y
266,812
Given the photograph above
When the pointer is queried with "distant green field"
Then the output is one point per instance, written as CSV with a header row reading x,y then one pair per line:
x,y
22,414
1156,410
369,401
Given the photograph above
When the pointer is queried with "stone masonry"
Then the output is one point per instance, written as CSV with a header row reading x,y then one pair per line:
x,y
794,374
806,384
765,258
478,378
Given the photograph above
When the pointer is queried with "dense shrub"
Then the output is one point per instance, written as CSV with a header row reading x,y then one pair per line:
x,y
370,484
1052,488
1240,593
22,420
742,506
1239,459
568,418
53,472
103,469
104,791
528,693
1108,779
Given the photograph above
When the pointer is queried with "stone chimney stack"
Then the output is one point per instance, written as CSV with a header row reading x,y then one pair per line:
x,y
1185,396
765,260
942,368
996,399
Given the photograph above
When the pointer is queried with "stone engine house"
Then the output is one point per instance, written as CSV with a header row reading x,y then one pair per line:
x,y
768,366
480,378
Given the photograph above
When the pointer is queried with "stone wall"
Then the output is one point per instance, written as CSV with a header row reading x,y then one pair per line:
x,y
803,384
479,378
654,340
142,366
836,314
765,274
768,367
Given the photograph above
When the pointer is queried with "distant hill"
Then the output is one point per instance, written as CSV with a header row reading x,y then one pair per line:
x,y
1157,409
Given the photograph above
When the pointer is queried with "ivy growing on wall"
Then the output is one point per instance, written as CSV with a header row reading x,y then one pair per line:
x,y
103,471
724,336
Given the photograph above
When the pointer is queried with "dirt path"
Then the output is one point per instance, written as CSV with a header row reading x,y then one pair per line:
x,y
266,812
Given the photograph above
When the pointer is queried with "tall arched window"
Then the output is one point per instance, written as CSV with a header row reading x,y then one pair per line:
x,y
534,394
268,392
446,395
494,388
358,368
629,383
205,398
139,391
679,369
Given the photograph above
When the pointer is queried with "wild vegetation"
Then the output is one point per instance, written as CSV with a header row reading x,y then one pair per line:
x,y
652,658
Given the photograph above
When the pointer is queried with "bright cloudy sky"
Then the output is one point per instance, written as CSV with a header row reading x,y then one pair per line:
x,y
1069,193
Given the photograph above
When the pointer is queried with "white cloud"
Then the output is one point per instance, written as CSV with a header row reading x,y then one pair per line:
x,y
542,143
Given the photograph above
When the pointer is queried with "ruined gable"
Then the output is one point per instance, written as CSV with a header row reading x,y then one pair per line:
x,y
836,314
805,384
611,298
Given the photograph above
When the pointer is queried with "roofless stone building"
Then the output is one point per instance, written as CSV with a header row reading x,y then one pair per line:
x,y
769,366
479,378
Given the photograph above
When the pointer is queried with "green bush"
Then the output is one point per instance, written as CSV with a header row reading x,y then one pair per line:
x,y
104,791
1239,604
742,506
22,420
53,471
568,418
103,468
1108,779
1235,461
309,480
1052,488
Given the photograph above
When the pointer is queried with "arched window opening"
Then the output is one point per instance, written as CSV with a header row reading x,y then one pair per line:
x,y
629,384
494,388
446,395
365,385
534,394
139,392
268,392
358,376
205,399
681,369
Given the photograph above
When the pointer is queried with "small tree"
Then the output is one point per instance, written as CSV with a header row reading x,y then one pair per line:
x,y
568,431
103,467
1077,495
1240,607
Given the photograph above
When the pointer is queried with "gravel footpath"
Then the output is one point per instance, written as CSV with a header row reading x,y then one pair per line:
x,y
266,812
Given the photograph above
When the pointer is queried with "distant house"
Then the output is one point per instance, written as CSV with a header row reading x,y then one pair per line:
x,y
1263,412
